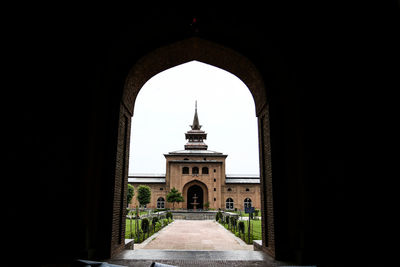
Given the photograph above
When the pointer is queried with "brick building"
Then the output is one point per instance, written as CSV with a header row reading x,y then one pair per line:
x,y
201,172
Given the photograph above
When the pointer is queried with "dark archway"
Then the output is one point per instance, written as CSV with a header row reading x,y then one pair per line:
x,y
170,56
192,191
185,192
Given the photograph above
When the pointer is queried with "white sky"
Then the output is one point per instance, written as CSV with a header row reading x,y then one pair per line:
x,y
164,109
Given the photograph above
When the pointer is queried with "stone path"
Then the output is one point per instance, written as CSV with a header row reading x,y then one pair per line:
x,y
195,235
194,243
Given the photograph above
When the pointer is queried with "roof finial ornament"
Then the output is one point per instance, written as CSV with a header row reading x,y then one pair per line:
x,y
195,125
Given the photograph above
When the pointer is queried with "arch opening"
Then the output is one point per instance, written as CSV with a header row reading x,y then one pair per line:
x,y
218,56
195,197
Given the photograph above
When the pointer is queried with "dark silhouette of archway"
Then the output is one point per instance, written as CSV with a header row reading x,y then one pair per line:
x,y
192,191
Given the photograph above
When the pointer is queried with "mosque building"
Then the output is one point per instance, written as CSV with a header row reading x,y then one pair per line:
x,y
197,171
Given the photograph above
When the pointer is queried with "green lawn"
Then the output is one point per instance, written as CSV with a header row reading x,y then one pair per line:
x,y
255,231
128,230
255,228
128,227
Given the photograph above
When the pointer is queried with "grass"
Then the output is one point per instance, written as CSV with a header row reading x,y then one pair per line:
x,y
255,228
255,231
128,227
142,237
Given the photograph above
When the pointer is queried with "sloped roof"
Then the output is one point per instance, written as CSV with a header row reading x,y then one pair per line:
x,y
242,179
147,178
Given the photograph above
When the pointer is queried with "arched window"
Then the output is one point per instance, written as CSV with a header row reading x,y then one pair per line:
x,y
195,170
185,170
229,189
160,203
229,204
204,170
247,203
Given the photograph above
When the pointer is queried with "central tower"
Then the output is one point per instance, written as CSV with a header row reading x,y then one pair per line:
x,y
195,136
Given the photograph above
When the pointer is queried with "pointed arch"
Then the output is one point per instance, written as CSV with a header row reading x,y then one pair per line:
x,y
170,56
189,50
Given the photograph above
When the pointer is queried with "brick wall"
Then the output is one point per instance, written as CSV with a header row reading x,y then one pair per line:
x,y
268,229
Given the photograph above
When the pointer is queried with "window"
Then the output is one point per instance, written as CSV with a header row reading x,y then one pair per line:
x,y
160,203
247,190
161,189
229,189
185,170
215,199
204,170
185,159
215,189
215,170
195,170
215,180
229,204
247,203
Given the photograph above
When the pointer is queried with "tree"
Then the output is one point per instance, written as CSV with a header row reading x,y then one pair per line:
x,y
130,194
174,196
144,195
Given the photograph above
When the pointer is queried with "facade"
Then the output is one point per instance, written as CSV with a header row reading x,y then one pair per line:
x,y
199,172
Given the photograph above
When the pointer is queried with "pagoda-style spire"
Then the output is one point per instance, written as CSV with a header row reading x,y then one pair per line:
x,y
196,136
196,125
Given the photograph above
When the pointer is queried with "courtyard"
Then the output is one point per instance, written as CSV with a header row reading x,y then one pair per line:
x,y
194,235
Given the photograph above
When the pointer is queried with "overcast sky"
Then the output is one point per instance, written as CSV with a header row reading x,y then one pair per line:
x,y
164,109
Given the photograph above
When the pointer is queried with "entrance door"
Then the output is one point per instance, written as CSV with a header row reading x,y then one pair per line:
x,y
195,189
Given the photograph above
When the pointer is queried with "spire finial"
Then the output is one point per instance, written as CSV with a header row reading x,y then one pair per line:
x,y
195,125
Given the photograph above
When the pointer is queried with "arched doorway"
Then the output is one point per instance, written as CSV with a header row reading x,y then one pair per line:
x,y
195,191
188,197
170,56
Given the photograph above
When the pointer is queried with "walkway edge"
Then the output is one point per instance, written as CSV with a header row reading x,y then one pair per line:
x,y
239,240
151,238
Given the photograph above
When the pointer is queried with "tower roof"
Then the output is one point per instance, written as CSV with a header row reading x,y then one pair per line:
x,y
196,125
195,145
196,136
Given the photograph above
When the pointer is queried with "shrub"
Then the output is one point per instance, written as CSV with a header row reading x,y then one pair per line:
x,y
227,219
165,222
233,222
154,221
145,225
218,216
130,193
157,226
169,215
241,227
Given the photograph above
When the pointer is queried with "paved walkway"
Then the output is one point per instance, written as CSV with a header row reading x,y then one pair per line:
x,y
194,235
194,243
